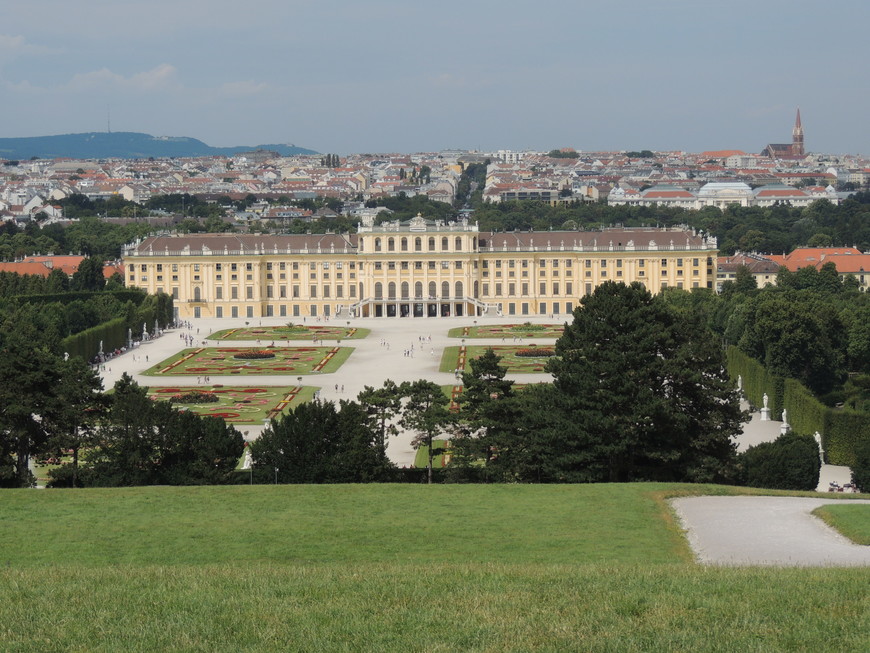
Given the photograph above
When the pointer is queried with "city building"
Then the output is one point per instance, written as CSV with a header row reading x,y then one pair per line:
x,y
793,150
418,268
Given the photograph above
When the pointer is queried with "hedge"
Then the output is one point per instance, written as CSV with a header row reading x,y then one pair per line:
x,y
756,381
842,430
130,295
86,344
806,414
842,434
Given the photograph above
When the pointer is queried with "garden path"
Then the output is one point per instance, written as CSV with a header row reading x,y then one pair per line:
x,y
769,531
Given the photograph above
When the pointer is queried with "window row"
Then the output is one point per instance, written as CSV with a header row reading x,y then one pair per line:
x,y
390,244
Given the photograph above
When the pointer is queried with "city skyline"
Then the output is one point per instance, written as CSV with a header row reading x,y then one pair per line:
x,y
388,77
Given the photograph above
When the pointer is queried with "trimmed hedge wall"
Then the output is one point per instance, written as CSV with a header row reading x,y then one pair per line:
x,y
134,295
806,414
86,344
843,433
842,430
756,381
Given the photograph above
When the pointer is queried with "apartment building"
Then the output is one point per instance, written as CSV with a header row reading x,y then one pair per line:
x,y
414,269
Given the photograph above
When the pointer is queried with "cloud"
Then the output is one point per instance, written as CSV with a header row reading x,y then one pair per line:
x,y
161,77
241,88
13,47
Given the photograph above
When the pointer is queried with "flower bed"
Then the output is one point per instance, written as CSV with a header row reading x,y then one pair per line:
x,y
213,361
534,352
254,355
235,404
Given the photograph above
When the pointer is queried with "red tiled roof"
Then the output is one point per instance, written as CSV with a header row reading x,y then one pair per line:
x,y
781,192
668,193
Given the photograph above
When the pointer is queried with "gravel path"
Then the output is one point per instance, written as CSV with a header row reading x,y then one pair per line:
x,y
774,531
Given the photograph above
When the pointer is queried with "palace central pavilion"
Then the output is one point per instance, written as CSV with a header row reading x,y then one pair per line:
x,y
414,269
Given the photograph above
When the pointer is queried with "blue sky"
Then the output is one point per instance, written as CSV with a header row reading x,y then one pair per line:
x,y
386,76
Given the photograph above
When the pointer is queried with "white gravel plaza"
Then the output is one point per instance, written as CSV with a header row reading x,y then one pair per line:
x,y
371,362
766,531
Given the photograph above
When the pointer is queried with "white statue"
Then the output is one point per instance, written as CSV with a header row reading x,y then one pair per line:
x,y
764,399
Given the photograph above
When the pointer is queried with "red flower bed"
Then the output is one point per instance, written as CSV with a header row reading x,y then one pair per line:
x,y
254,355
534,353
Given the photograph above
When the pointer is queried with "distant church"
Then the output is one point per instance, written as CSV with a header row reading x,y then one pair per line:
x,y
795,150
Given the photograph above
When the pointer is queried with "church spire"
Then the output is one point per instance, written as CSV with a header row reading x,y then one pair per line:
x,y
797,136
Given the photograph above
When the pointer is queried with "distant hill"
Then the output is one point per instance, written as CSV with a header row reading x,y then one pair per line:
x,y
125,145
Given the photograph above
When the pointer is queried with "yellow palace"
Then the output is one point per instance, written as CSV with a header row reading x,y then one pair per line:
x,y
414,269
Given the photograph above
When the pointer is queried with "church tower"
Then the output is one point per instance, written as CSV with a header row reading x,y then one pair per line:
x,y
797,136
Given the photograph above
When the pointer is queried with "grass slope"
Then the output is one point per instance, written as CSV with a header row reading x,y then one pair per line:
x,y
852,521
379,524
395,568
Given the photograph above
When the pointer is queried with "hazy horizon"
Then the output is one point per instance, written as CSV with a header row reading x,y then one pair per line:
x,y
386,76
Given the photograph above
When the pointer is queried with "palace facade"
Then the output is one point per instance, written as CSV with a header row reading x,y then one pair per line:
x,y
418,268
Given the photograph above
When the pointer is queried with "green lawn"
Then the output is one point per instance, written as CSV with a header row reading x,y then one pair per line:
x,y
853,521
218,361
450,360
297,332
240,404
421,458
395,568
524,331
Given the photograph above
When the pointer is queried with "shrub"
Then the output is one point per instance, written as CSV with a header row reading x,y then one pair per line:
x,y
535,353
791,462
861,468
195,397
528,326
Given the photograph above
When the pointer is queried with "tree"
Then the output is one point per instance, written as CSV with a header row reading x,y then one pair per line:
x,y
144,442
29,378
791,462
318,442
80,406
485,407
644,391
426,411
820,240
89,275
797,334
381,405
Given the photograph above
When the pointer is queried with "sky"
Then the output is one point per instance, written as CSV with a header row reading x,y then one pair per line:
x,y
356,76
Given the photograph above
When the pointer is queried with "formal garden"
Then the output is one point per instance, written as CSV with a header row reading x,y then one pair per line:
x,y
291,331
235,404
266,361
505,331
517,359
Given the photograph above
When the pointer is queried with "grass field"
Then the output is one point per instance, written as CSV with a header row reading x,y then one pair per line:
x,y
238,404
395,568
457,358
219,361
297,332
508,331
421,458
852,521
